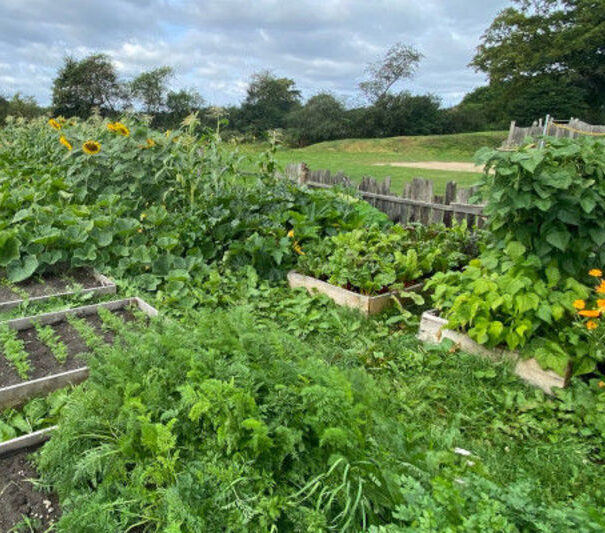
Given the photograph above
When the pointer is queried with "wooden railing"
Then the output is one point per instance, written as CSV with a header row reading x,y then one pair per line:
x,y
418,203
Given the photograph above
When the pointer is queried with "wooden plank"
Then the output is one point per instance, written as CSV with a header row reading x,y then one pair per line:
x,y
26,441
450,196
433,329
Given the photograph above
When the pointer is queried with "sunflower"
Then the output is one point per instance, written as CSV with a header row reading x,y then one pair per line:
x,y
54,124
65,142
91,147
118,127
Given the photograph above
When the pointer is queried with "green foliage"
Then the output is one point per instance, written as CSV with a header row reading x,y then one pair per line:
x,y
550,200
36,414
86,331
372,260
511,305
270,435
546,38
151,208
82,85
14,351
49,337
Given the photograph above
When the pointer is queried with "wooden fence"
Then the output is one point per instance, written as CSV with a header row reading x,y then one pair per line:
x,y
555,128
418,203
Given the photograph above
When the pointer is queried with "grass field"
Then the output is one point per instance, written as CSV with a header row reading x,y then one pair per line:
x,y
357,157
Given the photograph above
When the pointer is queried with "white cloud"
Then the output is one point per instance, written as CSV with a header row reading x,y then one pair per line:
x,y
215,45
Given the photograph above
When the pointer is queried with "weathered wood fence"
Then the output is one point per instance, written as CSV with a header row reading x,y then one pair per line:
x,y
418,203
572,128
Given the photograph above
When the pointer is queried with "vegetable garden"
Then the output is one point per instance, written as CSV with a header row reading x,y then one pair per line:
x,y
250,406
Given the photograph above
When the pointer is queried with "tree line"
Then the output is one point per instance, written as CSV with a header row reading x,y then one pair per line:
x,y
540,56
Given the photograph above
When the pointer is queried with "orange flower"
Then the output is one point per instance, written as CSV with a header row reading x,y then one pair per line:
x,y
591,313
601,288
601,384
579,304
591,324
65,142
601,304
595,273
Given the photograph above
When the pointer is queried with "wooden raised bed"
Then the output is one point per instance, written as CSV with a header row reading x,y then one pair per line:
x,y
433,329
55,287
74,371
23,442
368,305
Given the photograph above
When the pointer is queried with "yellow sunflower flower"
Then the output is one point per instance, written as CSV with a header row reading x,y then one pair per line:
x,y
91,147
118,127
54,124
65,142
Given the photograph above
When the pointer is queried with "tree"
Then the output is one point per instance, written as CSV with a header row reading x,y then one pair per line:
x,y
183,102
3,110
83,85
322,118
23,106
399,63
268,101
150,88
562,39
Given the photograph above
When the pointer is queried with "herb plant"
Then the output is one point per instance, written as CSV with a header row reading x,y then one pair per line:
x,y
14,351
49,337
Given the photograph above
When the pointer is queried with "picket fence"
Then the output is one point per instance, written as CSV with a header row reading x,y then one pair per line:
x,y
418,203
572,128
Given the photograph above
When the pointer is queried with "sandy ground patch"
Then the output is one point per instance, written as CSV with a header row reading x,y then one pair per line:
x,y
455,166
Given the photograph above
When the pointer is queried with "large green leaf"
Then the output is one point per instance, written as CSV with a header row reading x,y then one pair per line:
x,y
9,248
21,270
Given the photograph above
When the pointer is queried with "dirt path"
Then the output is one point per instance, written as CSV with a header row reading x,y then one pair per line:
x,y
455,166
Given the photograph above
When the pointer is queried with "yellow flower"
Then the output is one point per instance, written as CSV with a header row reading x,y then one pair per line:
x,y
143,216
601,384
591,325
65,142
54,124
595,273
150,143
168,132
91,147
291,233
601,288
579,304
118,127
601,304
298,249
590,313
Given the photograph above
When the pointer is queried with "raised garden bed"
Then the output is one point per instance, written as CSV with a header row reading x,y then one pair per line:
x,y
368,305
80,281
433,329
20,499
47,372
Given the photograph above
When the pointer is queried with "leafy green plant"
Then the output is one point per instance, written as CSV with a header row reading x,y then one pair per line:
x,y
14,351
36,414
49,337
551,199
374,260
86,331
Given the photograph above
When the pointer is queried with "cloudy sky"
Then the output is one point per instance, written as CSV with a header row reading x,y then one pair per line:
x,y
215,45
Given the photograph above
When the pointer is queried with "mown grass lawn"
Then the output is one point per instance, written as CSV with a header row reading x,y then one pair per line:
x,y
358,157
